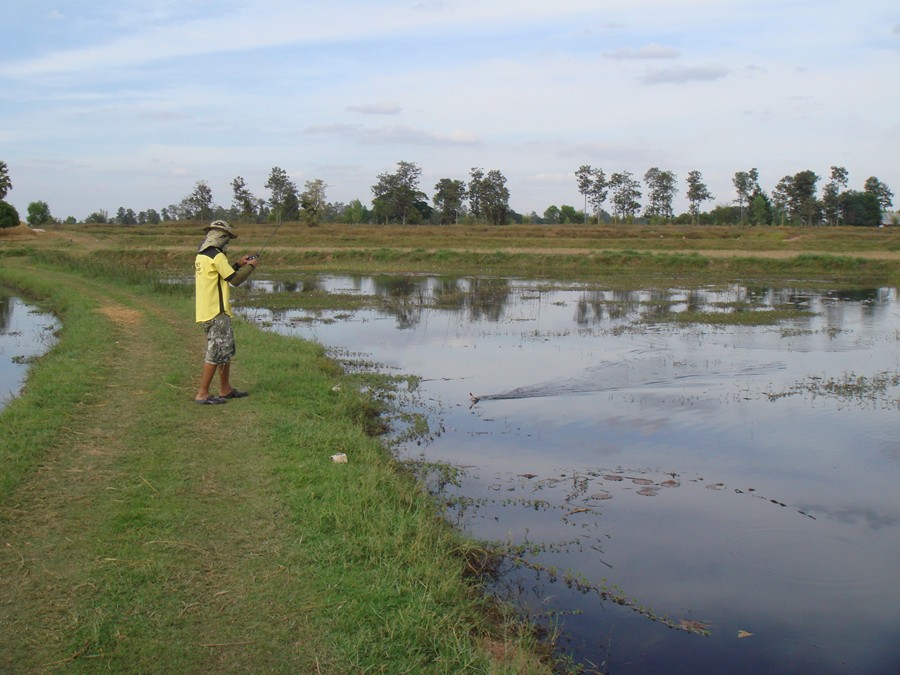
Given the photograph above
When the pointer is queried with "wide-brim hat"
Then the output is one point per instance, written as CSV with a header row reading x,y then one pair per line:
x,y
221,225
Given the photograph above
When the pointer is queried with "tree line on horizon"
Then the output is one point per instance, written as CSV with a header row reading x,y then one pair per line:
x,y
619,197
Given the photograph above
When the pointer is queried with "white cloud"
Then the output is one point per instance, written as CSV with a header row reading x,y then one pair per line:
x,y
375,108
647,52
399,134
162,115
561,178
685,74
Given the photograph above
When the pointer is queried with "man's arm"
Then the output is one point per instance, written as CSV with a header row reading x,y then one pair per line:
x,y
244,268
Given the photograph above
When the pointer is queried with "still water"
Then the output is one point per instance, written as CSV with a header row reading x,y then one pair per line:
x,y
25,334
688,497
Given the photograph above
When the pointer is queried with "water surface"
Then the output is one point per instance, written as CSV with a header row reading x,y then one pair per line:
x,y
25,334
735,480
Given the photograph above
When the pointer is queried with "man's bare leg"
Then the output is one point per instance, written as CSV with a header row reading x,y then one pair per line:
x,y
209,370
225,387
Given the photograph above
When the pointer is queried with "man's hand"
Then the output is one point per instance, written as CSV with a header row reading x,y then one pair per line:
x,y
248,260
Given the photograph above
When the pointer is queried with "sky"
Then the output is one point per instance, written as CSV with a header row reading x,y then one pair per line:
x,y
129,103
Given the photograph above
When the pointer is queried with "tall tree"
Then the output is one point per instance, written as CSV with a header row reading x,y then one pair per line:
x,y
831,193
881,191
243,201
661,186
495,198
626,191
568,214
126,216
200,200
806,206
745,182
5,182
860,208
100,216
551,214
9,217
781,196
597,191
38,214
312,201
476,178
397,196
697,193
356,213
584,177
284,201
760,210
448,198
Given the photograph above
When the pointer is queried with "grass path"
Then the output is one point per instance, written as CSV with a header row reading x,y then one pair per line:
x,y
109,504
149,534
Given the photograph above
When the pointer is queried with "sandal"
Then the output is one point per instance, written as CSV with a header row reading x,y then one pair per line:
x,y
235,393
210,400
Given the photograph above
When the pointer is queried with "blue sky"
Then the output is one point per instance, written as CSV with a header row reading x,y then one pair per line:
x,y
130,103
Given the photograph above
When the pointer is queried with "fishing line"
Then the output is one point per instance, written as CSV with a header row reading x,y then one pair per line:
x,y
271,234
259,253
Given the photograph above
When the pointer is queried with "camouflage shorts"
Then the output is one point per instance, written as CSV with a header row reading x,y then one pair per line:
x,y
220,348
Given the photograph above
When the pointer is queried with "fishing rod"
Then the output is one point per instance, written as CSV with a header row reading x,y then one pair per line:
x,y
271,234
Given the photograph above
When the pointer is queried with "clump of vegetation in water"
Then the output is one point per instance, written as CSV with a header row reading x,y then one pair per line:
x,y
848,387
736,317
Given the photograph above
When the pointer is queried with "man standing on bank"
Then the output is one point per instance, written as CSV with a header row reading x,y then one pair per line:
x,y
214,275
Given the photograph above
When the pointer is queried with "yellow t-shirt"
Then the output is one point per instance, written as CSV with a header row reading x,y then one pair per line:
x,y
211,269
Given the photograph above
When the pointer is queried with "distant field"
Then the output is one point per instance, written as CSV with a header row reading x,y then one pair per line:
x,y
849,254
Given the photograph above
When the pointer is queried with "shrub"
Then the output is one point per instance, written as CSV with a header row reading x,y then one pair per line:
x,y
9,217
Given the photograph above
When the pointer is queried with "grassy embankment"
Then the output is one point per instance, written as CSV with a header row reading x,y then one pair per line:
x,y
140,532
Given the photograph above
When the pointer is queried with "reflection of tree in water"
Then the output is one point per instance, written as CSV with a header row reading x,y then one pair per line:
x,y
310,284
782,297
833,305
409,298
658,305
696,301
6,307
596,305
873,301
405,297
479,299
313,284
487,299
591,308
289,287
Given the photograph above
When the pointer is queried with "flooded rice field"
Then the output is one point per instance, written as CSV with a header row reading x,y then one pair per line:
x,y
690,480
25,334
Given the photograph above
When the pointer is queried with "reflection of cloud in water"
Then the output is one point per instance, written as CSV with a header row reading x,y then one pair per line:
x,y
854,514
638,423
